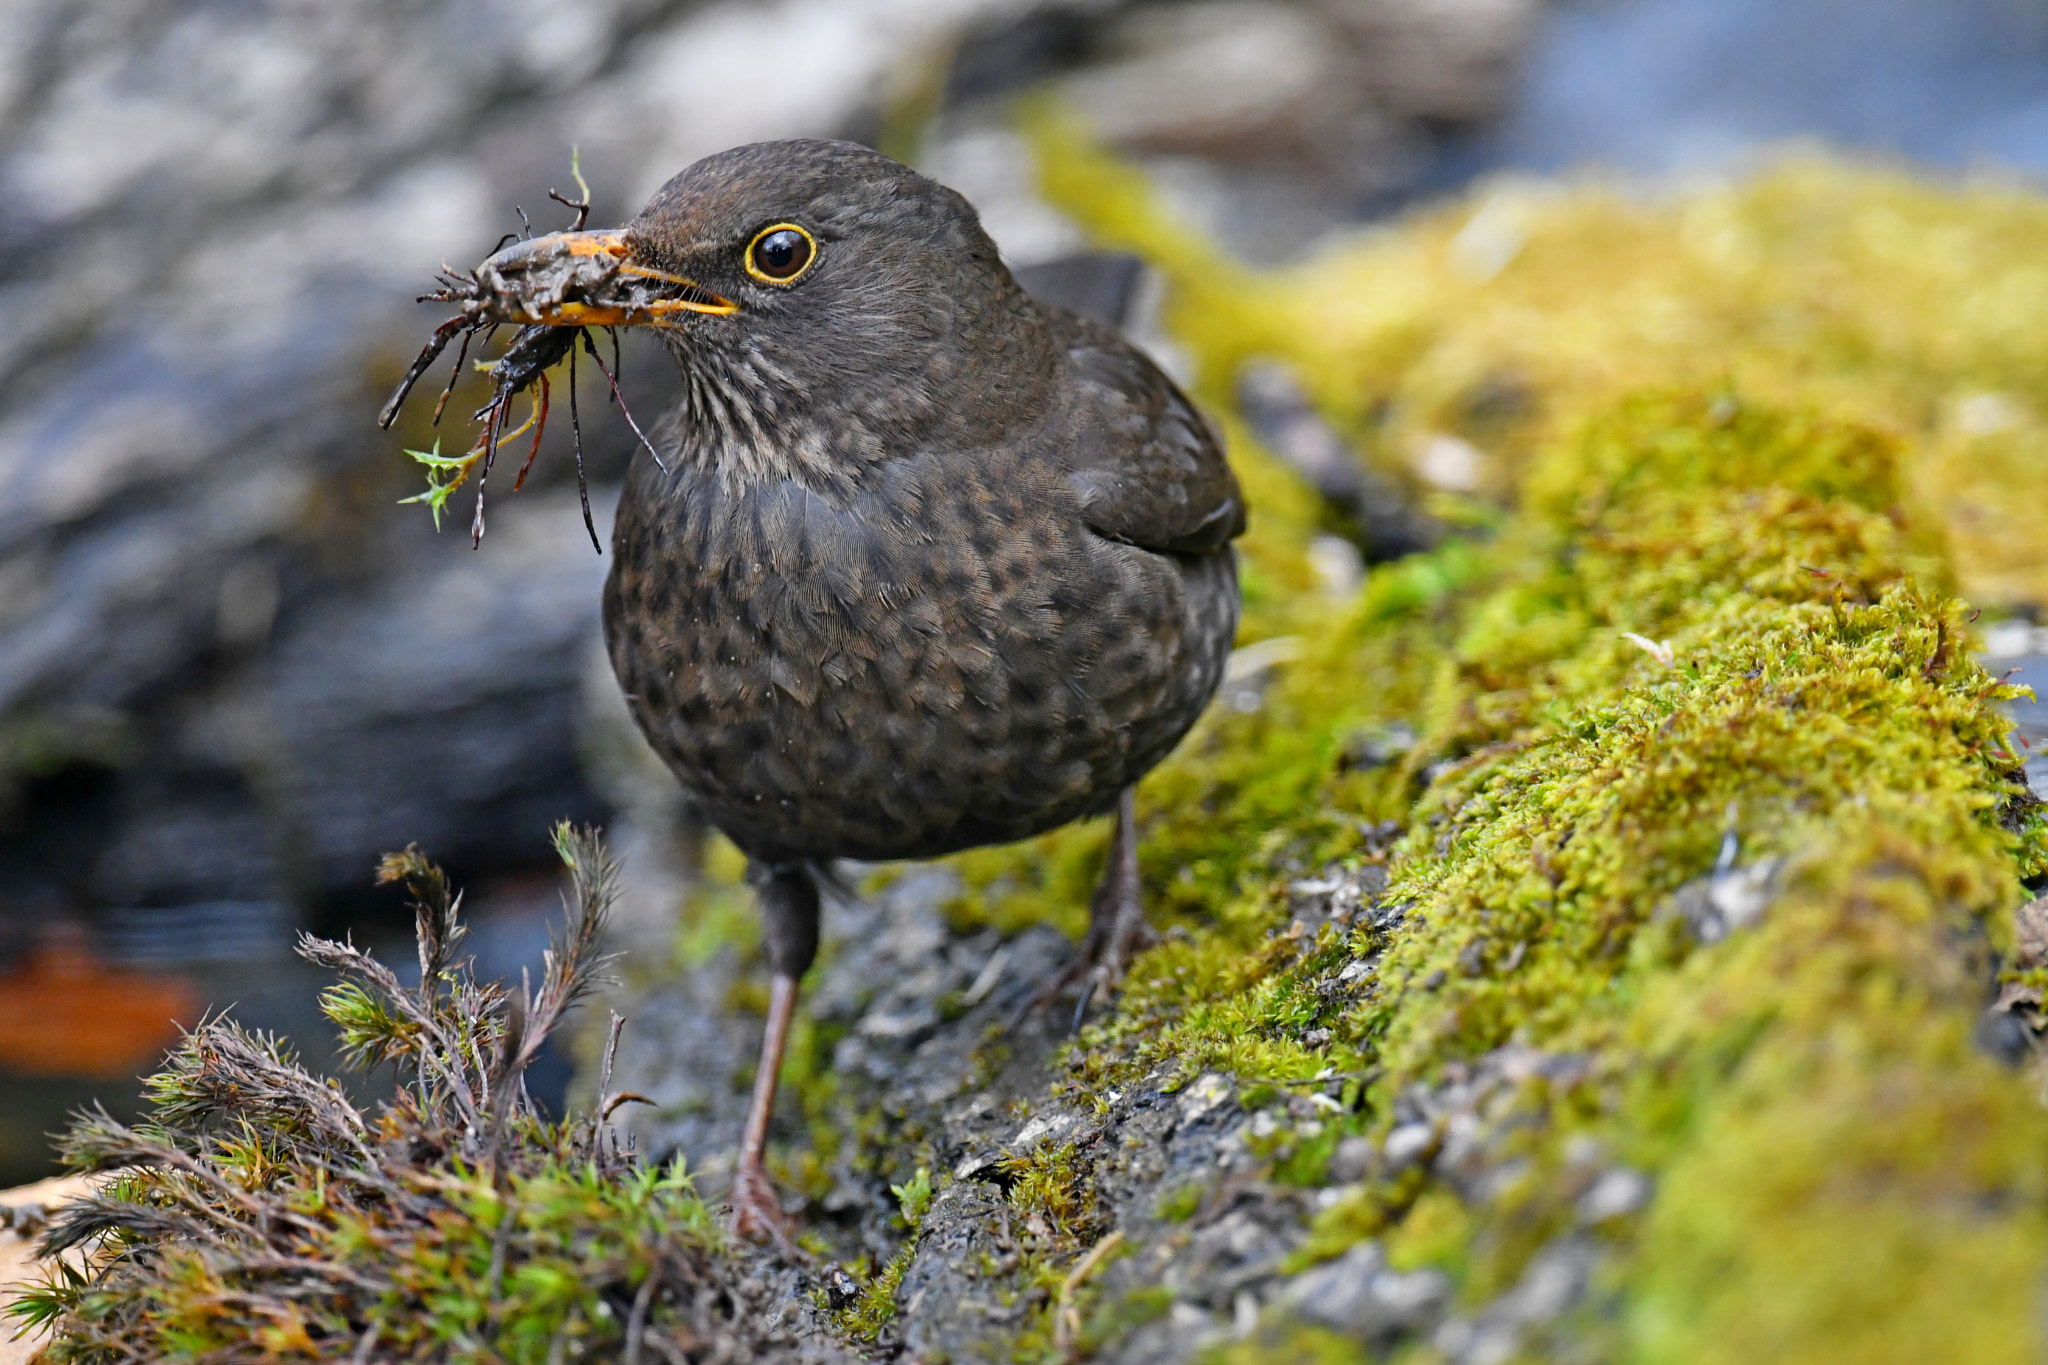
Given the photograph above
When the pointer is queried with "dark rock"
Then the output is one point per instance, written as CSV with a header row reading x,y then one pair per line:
x,y
2002,1035
1407,1144
1616,1193
1271,123
1555,1281
24,1220
947,1308
2009,1028
1350,1160
841,1289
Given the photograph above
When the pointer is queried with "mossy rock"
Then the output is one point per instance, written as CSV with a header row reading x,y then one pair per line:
x,y
1695,853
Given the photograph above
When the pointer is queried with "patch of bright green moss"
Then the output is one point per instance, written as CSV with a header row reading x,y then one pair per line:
x,y
870,1314
1178,1204
1706,614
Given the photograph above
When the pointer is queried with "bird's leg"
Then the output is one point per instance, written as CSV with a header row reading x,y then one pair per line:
x,y
1116,923
755,1208
788,897
1116,912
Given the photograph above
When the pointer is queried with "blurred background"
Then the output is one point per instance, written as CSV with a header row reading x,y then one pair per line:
x,y
234,670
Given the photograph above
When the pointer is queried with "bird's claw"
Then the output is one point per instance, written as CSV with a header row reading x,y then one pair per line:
x,y
756,1213
1099,966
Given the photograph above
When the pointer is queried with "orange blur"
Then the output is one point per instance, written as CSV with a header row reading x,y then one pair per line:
x,y
63,1013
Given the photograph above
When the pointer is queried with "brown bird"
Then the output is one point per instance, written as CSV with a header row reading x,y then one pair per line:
x,y
915,563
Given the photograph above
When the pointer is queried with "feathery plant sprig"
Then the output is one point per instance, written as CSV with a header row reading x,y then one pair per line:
x,y
259,1214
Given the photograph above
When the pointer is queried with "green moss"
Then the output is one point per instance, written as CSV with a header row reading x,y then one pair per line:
x,y
875,1309
1046,1186
1434,1232
1118,1317
914,1197
1906,304
1702,618
1291,1342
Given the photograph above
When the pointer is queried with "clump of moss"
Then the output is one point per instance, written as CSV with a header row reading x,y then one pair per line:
x,y
1047,1186
1701,634
1503,317
871,1313
259,1214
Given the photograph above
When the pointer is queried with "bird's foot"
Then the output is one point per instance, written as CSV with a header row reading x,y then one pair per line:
x,y
1101,965
756,1214
1098,967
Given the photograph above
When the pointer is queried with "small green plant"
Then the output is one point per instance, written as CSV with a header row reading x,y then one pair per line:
x,y
1046,1185
445,474
259,1214
914,1197
875,1309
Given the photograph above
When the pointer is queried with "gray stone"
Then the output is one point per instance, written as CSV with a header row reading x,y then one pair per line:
x,y
1717,905
1357,1294
1383,513
1350,1160
1408,1144
1617,1193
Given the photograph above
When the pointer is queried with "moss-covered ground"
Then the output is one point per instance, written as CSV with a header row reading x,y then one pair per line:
x,y
1749,454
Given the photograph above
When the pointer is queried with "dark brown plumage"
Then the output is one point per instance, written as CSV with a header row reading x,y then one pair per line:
x,y
924,563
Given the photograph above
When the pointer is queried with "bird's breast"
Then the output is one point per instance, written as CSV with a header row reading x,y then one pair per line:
x,y
940,651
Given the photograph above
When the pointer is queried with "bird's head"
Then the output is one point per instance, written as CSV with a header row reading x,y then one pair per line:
x,y
825,303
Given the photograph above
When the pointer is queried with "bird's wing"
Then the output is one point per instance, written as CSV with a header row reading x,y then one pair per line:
x,y
1146,464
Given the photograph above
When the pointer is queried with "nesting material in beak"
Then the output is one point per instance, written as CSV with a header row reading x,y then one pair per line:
x,y
584,279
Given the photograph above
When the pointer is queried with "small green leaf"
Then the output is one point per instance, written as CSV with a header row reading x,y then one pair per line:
x,y
445,473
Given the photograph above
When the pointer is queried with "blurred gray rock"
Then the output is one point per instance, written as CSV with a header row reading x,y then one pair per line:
x,y
1270,124
1357,1294
1381,515
1717,905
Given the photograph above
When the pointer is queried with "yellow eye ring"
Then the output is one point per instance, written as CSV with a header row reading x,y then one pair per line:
x,y
780,253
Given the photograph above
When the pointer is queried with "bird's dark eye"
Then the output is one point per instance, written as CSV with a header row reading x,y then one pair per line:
x,y
779,254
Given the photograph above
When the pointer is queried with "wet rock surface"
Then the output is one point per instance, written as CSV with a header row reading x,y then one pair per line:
x,y
924,1073
915,1016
